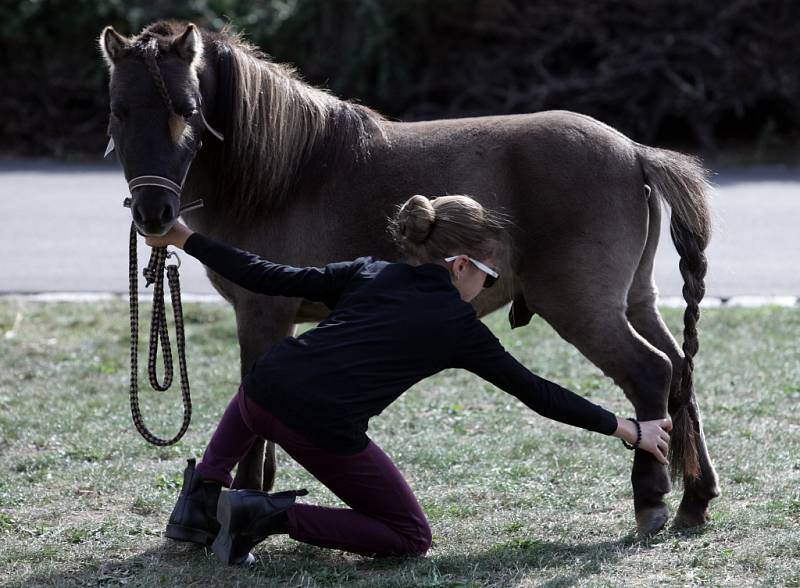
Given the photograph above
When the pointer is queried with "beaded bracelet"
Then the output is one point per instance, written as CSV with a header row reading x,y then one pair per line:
x,y
638,436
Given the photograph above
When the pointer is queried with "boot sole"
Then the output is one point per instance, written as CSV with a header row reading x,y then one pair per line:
x,y
228,545
181,533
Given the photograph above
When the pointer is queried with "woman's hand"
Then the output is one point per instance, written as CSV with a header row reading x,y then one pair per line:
x,y
176,236
655,436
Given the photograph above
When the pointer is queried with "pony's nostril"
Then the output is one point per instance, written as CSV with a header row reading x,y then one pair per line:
x,y
137,215
166,214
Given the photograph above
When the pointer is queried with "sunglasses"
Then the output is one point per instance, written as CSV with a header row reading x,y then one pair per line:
x,y
491,275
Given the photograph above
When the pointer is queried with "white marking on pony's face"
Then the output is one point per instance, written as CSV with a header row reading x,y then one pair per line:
x,y
179,130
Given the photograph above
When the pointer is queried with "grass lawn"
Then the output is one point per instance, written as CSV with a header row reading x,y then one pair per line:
x,y
513,499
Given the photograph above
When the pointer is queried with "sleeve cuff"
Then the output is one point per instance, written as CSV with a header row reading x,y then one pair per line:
x,y
608,422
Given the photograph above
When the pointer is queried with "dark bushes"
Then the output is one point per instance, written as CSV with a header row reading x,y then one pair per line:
x,y
692,74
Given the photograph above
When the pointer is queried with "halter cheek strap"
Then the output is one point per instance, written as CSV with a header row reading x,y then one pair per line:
x,y
209,128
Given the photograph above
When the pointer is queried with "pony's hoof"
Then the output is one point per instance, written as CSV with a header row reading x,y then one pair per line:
x,y
650,521
691,516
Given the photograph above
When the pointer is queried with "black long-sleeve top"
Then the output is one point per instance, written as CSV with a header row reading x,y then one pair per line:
x,y
391,325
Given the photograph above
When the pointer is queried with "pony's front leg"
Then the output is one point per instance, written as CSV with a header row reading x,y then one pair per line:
x,y
260,321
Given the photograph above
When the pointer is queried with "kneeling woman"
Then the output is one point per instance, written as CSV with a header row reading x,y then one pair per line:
x,y
391,325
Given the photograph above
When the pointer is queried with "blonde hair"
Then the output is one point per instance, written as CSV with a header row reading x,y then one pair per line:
x,y
428,230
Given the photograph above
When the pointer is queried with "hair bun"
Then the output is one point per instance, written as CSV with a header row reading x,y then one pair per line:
x,y
415,219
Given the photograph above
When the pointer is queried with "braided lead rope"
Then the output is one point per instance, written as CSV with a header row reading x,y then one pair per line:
x,y
154,273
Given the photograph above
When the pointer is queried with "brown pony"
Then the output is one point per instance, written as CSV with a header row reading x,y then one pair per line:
x,y
305,178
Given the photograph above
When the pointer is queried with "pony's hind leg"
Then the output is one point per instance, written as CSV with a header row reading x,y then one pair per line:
x,y
699,491
597,325
644,316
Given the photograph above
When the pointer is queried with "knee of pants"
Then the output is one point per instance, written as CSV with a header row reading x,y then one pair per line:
x,y
420,542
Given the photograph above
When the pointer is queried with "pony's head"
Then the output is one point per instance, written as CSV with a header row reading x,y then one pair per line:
x,y
156,120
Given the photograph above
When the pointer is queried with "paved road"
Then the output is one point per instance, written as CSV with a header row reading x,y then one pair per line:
x,y
63,228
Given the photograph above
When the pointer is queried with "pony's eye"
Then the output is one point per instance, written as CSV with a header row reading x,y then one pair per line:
x,y
119,112
187,114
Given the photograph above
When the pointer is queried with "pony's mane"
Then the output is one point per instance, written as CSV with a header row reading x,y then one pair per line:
x,y
280,132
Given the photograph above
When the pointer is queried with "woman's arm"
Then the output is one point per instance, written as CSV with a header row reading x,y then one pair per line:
x,y
259,275
481,353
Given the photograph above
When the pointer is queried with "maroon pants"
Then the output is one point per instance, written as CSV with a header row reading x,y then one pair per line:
x,y
384,517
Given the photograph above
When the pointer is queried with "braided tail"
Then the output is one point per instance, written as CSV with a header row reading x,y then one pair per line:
x,y
681,182
683,447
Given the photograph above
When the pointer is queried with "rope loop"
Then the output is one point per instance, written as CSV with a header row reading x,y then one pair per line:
x,y
154,274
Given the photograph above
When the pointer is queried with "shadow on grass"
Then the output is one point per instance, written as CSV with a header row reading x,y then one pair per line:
x,y
172,564
566,562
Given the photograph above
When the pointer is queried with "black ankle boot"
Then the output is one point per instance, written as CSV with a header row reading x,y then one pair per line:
x,y
246,518
194,516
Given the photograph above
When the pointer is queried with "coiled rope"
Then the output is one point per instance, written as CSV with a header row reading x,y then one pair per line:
x,y
154,274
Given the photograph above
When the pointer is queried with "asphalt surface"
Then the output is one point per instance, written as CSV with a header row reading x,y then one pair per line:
x,y
63,228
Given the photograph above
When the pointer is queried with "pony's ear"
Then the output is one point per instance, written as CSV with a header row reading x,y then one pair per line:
x,y
189,45
112,44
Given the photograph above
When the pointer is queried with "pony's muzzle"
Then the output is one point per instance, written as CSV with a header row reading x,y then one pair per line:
x,y
154,210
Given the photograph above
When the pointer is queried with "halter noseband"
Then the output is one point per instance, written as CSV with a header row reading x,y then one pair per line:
x,y
159,181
